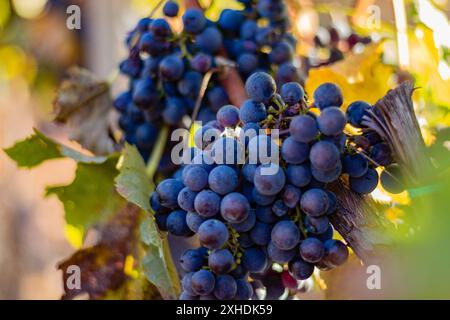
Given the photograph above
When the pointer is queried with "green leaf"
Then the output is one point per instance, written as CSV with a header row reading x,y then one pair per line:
x,y
38,148
157,263
132,183
91,197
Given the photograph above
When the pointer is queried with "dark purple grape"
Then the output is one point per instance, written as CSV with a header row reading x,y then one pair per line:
x,y
171,9
194,21
299,175
194,220
247,224
186,284
223,179
292,93
285,235
279,208
176,224
225,288
312,250
221,261
392,180
314,202
186,199
294,152
355,165
291,196
209,40
213,234
381,154
171,68
328,95
207,203
234,207
192,260
203,282
366,183
331,121
356,111
300,269
228,116
195,177
324,156
244,291
168,191
317,225
252,112
303,128
327,176
336,253
269,179
260,87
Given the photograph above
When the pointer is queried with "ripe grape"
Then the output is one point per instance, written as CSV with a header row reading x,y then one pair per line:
x,y
207,203
170,9
168,191
223,179
254,259
213,234
234,207
203,282
260,87
299,175
228,116
195,177
312,250
303,128
186,199
294,152
194,21
292,93
324,156
269,183
225,287
221,261
194,220
192,260
366,183
314,202
391,179
328,95
356,111
300,269
260,234
280,256
331,121
336,253
252,111
176,224
285,235
355,165
247,224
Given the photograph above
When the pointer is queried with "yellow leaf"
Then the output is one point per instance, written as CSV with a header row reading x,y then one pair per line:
x,y
360,76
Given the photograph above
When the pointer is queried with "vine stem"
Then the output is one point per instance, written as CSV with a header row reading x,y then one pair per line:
x,y
157,152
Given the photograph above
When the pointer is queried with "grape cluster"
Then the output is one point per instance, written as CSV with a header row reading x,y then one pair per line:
x,y
261,202
166,68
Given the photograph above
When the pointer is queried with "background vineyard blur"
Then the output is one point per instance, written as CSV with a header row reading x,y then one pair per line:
x,y
374,45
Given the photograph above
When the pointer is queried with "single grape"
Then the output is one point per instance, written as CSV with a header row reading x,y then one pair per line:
x,y
260,87
225,288
261,199
247,63
252,111
285,235
303,128
327,176
171,9
193,20
230,20
186,284
207,203
213,234
294,152
328,95
228,116
279,208
160,28
221,261
161,221
171,68
203,282
174,111
299,175
244,291
356,111
168,191
209,40
331,121
324,156
195,177
235,207
381,154
366,183
314,202
282,52
194,220
291,196
300,269
391,179
155,204
186,199
176,224
192,260
292,93
223,179
355,165
312,250
269,179
336,253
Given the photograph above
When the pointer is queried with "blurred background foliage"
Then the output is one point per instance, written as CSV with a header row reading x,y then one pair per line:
x,y
374,45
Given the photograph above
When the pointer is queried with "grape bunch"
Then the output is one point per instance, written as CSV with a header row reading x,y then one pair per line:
x,y
166,68
257,190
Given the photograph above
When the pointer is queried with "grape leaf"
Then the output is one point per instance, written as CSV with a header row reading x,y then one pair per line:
x,y
91,197
132,183
83,102
135,186
38,148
